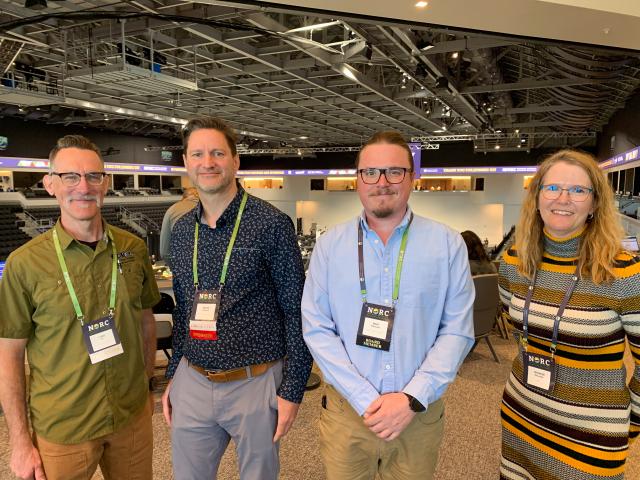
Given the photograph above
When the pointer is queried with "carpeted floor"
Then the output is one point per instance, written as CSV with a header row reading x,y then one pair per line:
x,y
470,450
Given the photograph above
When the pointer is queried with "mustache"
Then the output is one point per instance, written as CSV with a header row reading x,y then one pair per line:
x,y
83,197
210,170
382,191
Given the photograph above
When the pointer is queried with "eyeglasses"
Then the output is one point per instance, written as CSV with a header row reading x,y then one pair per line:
x,y
577,193
371,176
71,179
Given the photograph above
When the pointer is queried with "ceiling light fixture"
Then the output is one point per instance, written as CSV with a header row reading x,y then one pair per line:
x,y
421,4
347,72
318,26
455,55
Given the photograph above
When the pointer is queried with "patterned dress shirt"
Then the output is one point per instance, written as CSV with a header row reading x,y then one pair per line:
x,y
259,317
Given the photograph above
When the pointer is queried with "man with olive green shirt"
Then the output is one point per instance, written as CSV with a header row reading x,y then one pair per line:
x,y
89,335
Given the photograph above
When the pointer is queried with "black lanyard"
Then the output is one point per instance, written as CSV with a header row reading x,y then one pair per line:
x,y
558,316
396,282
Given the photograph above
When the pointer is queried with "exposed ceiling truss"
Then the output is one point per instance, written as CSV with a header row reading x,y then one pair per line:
x,y
288,80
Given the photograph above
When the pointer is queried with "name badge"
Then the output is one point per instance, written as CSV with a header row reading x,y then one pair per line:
x,y
203,322
101,339
376,324
539,371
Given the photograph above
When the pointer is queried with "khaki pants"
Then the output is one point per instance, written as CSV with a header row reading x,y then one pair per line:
x,y
350,451
123,455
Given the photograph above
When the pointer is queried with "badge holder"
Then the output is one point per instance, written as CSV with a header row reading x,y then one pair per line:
x,y
376,325
203,319
203,322
376,321
539,370
100,336
101,339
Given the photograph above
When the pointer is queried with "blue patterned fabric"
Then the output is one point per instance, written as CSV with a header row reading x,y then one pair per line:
x,y
259,317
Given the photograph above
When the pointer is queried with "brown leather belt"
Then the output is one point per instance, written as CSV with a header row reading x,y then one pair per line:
x,y
242,373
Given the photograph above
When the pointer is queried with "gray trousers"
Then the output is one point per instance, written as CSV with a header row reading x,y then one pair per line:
x,y
206,415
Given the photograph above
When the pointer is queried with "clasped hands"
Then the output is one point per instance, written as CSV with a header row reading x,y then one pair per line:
x,y
388,415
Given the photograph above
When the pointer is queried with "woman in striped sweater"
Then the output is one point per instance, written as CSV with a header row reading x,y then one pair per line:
x,y
573,297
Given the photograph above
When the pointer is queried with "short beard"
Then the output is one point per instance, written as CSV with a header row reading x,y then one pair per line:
x,y
382,212
224,185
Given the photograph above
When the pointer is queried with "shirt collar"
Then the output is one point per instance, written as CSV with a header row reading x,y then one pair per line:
x,y
401,226
66,239
229,213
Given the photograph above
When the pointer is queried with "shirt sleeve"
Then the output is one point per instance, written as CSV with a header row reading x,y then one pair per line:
x,y
287,274
165,235
455,334
150,294
504,291
16,301
179,330
630,316
322,337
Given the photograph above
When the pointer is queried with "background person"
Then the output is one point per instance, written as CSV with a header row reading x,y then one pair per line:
x,y
172,215
90,340
567,411
479,261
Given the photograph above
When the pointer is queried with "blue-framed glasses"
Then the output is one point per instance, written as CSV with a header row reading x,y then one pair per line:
x,y
577,193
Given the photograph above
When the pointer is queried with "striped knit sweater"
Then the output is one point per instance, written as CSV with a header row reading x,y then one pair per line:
x,y
581,430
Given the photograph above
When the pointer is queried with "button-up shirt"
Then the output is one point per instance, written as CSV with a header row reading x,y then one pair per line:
x,y
71,400
433,324
259,315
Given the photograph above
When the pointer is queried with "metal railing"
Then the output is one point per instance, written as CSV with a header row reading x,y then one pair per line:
x,y
137,220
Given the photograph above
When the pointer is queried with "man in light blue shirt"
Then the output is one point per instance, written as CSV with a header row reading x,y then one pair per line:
x,y
388,322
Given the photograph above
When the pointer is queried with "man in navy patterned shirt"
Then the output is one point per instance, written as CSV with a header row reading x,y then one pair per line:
x,y
239,365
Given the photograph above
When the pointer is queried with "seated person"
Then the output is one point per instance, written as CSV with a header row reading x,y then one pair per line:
x,y
478,259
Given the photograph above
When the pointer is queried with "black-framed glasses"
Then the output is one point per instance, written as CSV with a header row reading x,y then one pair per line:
x,y
371,176
577,193
71,179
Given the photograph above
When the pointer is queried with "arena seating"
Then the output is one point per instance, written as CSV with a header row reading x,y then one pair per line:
x,y
11,237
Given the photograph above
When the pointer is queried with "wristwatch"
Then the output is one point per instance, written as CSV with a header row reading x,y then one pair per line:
x,y
414,404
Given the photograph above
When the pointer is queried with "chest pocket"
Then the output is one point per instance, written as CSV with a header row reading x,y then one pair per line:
x,y
133,277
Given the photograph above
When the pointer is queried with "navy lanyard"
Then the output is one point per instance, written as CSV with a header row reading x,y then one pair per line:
x,y
558,316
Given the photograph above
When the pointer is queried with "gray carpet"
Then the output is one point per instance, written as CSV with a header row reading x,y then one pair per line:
x,y
470,450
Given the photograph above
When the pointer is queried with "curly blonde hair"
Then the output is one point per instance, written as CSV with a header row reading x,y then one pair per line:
x,y
601,240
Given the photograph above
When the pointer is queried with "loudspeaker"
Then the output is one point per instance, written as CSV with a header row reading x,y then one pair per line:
x,y
479,184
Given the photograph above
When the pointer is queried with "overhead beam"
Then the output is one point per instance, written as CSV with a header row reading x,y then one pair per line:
x,y
529,85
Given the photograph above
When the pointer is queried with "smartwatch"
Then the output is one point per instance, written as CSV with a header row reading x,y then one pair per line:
x,y
414,404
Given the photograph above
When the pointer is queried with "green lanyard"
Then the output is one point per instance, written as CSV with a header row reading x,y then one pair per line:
x,y
227,257
67,278
396,281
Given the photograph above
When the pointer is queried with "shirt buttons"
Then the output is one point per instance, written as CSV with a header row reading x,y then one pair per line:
x,y
386,269
387,367
375,241
99,285
386,300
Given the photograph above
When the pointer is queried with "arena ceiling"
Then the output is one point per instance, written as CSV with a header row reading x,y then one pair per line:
x,y
284,77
